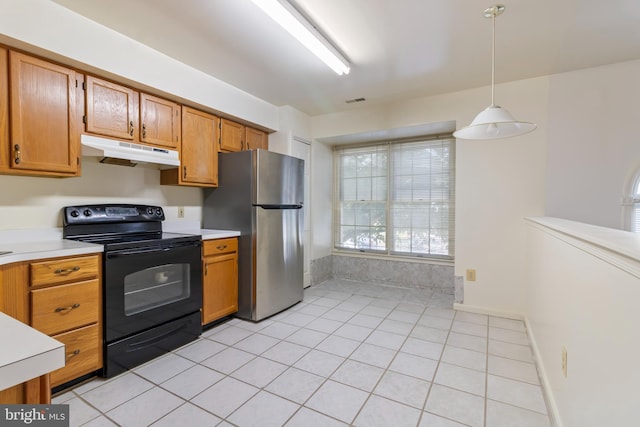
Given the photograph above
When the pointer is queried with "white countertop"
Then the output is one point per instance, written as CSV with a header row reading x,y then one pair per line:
x,y
26,245
26,353
32,244
193,227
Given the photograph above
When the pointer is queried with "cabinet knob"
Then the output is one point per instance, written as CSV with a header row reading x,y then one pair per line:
x,y
144,130
131,128
184,172
221,247
17,154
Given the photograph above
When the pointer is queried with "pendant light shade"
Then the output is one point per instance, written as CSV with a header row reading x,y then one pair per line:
x,y
494,122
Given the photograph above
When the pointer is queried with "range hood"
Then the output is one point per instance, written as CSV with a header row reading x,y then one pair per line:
x,y
127,153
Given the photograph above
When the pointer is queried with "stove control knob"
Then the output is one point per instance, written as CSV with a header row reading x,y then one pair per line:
x,y
87,212
149,211
74,213
159,211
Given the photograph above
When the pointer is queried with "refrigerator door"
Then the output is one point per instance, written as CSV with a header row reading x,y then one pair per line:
x,y
279,179
278,260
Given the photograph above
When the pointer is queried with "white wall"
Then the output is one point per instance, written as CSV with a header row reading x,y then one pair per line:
x,y
585,298
594,148
321,200
31,202
497,182
48,29
45,28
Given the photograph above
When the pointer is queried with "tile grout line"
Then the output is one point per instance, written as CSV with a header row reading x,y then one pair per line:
x,y
406,336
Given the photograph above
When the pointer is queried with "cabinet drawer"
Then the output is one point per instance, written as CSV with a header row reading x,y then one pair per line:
x,y
83,354
60,308
219,246
64,270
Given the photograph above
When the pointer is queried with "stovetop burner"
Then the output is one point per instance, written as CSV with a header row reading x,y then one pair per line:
x,y
119,226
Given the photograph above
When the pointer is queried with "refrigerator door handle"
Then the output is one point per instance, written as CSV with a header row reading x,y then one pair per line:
x,y
299,206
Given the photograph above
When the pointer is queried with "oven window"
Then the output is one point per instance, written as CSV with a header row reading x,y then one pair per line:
x,y
154,287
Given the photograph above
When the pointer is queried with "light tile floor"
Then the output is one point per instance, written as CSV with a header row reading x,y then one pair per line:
x,y
350,354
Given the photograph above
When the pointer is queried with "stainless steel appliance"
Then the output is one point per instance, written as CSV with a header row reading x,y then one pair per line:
x,y
152,281
260,194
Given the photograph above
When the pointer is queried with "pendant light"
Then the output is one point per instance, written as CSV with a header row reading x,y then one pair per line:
x,y
494,122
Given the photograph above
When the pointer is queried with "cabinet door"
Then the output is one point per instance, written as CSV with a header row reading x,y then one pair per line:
x,y
159,121
220,287
43,125
5,144
231,136
255,138
198,156
111,109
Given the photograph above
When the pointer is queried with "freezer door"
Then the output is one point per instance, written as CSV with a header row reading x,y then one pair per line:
x,y
278,260
279,179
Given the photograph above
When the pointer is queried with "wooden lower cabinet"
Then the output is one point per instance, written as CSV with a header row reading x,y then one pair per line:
x,y
66,304
83,353
220,279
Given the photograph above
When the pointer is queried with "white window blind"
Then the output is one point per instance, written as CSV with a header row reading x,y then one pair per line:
x,y
396,198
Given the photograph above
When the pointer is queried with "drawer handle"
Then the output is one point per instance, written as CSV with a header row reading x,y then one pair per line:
x,y
73,353
67,270
67,309
221,247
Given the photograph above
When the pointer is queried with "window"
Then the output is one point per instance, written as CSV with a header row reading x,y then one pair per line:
x,y
396,198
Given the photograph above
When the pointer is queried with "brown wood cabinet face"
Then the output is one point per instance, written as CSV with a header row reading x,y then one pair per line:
x,y
51,272
255,139
83,354
220,279
5,143
231,136
198,156
66,303
111,109
44,132
61,308
160,121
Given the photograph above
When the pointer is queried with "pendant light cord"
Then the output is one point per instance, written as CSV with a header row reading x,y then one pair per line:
x,y
493,59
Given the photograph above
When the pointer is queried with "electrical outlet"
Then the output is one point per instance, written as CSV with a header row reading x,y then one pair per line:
x,y
471,275
564,361
180,211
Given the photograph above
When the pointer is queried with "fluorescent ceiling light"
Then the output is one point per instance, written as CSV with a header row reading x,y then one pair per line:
x,y
285,14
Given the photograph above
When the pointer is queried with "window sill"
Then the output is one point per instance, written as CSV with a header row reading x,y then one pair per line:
x,y
400,258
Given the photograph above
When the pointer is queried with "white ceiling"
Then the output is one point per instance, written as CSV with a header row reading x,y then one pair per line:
x,y
398,49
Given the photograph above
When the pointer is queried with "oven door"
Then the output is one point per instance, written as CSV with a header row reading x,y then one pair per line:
x,y
146,287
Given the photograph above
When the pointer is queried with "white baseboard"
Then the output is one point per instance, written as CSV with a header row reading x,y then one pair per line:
x,y
488,311
544,380
554,414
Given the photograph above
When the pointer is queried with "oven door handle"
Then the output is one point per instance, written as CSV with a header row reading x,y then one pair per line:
x,y
136,252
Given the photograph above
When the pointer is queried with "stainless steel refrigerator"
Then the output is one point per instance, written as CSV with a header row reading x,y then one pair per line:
x,y
261,194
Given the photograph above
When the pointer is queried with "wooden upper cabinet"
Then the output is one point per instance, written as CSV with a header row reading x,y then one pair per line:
x,y
112,109
5,142
160,121
198,153
255,138
44,131
231,136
